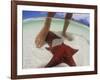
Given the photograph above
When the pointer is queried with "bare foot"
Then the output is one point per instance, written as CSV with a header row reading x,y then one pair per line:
x,y
40,39
68,36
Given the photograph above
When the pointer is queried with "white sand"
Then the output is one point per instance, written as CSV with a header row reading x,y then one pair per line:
x,y
34,57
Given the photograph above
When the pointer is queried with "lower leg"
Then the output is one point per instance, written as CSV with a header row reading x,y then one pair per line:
x,y
40,38
66,24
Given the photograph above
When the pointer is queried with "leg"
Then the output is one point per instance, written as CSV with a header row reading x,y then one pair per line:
x,y
40,38
66,24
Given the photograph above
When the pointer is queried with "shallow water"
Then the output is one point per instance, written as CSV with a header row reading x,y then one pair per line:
x,y
34,57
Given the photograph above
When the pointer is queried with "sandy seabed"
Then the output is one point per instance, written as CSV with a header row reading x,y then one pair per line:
x,y
38,57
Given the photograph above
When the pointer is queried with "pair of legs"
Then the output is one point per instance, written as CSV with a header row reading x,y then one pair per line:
x,y
40,38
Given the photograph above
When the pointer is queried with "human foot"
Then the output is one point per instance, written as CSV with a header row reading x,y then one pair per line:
x,y
68,36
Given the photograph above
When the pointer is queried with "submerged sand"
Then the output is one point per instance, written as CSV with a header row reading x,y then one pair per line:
x,y
38,57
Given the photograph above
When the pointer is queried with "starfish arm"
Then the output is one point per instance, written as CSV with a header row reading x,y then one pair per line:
x,y
69,50
70,61
57,58
54,61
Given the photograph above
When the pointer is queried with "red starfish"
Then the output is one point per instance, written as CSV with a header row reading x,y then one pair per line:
x,y
61,53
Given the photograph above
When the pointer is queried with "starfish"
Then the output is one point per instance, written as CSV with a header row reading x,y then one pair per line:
x,y
62,53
